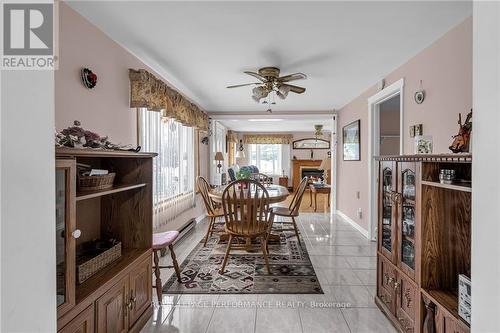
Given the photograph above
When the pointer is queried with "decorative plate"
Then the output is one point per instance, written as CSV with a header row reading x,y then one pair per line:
x,y
89,79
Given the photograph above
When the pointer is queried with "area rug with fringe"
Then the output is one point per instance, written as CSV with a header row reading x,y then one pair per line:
x,y
291,269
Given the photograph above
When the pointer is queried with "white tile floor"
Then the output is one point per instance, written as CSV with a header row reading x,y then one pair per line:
x,y
345,264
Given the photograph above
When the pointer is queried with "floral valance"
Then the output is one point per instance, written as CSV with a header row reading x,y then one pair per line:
x,y
232,137
267,139
147,91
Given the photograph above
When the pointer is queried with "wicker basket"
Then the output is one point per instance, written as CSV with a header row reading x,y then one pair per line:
x,y
95,183
86,267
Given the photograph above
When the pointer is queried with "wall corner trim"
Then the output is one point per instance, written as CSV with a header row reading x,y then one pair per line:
x,y
356,226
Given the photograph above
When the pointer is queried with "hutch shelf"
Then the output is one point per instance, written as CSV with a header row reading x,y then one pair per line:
x,y
118,297
424,241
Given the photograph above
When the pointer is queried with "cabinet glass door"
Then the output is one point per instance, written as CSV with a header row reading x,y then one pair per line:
x,y
65,243
387,209
407,191
61,235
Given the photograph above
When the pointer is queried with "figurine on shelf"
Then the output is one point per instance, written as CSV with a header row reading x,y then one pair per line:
x,y
461,141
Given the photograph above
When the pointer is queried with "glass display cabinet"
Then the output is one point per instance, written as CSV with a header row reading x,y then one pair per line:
x,y
65,241
387,210
424,241
116,296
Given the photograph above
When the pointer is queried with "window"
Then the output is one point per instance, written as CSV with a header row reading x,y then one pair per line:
x,y
173,168
267,157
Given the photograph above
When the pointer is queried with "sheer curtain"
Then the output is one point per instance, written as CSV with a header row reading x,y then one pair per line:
x,y
173,168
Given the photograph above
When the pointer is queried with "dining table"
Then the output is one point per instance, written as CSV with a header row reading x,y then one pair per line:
x,y
277,194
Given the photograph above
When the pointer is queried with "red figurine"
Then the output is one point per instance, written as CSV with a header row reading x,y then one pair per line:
x,y
461,141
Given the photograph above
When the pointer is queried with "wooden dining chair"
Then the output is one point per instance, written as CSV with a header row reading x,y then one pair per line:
x,y
293,209
262,178
246,210
213,210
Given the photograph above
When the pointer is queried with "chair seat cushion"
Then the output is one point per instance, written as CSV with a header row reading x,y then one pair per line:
x,y
163,239
282,211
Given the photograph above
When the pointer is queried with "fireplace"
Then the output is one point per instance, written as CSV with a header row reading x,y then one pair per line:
x,y
301,168
310,172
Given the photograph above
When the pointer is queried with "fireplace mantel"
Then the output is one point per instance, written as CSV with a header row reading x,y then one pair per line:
x,y
297,165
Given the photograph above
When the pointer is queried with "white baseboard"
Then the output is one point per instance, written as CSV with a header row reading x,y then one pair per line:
x,y
356,226
200,218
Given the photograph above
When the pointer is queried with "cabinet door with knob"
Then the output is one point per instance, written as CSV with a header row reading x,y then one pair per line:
x,y
65,228
140,290
83,323
407,303
446,323
112,308
386,280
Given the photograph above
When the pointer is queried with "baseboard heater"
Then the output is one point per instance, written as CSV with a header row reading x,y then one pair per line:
x,y
186,229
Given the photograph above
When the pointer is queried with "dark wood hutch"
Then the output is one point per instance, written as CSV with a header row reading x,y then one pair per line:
x,y
424,241
118,297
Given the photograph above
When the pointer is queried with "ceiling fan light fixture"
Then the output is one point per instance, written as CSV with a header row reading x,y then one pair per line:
x,y
259,91
272,84
256,98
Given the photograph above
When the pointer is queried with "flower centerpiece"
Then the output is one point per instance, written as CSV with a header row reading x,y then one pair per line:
x,y
77,137
243,173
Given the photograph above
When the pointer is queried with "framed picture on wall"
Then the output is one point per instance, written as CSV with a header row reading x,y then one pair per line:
x,y
351,138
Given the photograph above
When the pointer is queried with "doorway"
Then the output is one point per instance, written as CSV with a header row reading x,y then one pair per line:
x,y
390,126
385,137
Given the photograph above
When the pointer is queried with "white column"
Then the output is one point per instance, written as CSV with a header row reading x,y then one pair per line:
x,y
28,255
485,169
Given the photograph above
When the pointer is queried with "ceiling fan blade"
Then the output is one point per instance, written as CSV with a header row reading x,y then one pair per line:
x,y
257,76
295,89
292,77
242,85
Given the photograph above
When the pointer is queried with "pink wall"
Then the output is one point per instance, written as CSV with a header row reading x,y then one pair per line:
x,y
104,109
445,68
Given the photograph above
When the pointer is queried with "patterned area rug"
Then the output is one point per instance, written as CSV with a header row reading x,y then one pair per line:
x,y
291,269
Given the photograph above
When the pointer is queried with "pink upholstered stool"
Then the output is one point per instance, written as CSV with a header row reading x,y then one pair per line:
x,y
161,241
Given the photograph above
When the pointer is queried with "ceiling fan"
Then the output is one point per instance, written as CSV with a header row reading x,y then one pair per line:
x,y
270,82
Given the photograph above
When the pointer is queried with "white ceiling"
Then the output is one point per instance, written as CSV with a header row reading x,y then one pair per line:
x,y
275,122
343,47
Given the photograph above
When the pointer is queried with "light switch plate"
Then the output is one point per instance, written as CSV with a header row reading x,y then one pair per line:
x,y
412,131
419,129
